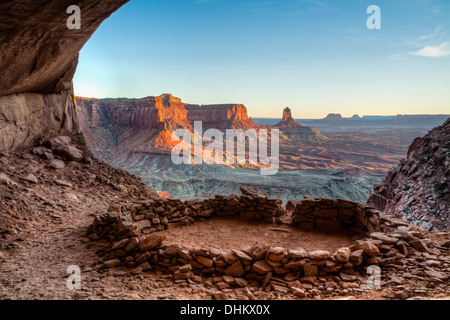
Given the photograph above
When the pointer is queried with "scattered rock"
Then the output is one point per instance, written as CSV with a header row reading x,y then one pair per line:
x,y
151,242
343,254
5,180
186,268
253,192
319,255
298,292
71,196
205,261
310,270
40,151
370,248
243,256
70,153
30,178
63,183
401,295
258,251
436,274
446,244
56,164
383,237
112,263
298,253
236,270
262,267
418,244
56,142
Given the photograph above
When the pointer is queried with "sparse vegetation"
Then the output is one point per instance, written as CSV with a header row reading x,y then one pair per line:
x,y
438,186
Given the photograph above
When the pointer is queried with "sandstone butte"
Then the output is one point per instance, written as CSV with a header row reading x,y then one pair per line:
x,y
146,125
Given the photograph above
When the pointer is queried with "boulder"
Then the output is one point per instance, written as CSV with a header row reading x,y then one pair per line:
x,y
112,263
236,270
257,251
319,255
253,192
56,142
5,180
298,253
56,164
262,267
370,248
30,178
343,255
151,242
70,153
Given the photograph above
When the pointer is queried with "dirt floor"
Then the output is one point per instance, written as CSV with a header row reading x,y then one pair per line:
x,y
225,234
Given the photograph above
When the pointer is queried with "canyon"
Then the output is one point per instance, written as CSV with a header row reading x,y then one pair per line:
x,y
135,135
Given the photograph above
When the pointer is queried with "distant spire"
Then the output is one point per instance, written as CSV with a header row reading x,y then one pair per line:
x,y
287,114
288,120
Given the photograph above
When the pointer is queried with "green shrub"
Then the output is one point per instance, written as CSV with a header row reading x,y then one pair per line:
x,y
438,186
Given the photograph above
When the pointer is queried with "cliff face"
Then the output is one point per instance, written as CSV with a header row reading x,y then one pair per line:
x,y
38,59
224,116
418,188
124,131
27,117
145,125
164,112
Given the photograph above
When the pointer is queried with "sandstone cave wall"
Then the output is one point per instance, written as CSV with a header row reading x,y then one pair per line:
x,y
38,59
27,117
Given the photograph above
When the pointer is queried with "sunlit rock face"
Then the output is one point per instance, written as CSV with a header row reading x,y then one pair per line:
x,y
138,126
221,116
295,131
288,120
38,59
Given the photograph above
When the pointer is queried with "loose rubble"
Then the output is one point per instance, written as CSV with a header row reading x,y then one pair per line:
x,y
418,189
135,240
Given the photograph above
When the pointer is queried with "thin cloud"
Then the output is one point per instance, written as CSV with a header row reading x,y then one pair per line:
x,y
429,36
422,48
439,51
287,6
398,56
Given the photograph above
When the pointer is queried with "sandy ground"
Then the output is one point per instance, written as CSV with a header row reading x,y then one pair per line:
x,y
225,234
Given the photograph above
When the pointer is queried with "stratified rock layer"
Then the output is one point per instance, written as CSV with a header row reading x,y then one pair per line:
x,y
39,53
138,126
38,59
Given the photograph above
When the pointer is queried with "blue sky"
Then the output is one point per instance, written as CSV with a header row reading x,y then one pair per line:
x,y
314,56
